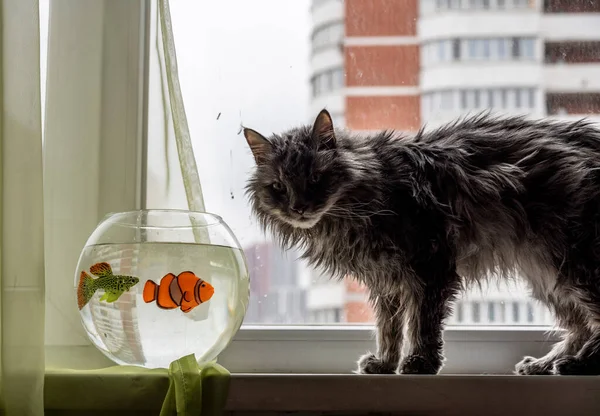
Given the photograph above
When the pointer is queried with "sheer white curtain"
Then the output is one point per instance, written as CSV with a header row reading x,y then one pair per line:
x,y
22,216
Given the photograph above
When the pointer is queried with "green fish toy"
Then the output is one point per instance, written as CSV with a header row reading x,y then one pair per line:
x,y
113,285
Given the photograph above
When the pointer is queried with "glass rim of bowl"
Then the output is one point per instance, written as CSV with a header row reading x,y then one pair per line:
x,y
216,219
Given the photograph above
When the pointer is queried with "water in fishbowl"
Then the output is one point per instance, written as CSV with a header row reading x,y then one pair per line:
x,y
137,331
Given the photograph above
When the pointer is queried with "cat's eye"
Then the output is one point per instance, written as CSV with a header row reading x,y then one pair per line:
x,y
276,186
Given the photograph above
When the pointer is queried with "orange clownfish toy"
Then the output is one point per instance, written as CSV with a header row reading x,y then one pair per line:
x,y
185,290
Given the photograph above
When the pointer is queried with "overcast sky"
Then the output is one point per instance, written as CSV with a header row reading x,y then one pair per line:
x,y
242,62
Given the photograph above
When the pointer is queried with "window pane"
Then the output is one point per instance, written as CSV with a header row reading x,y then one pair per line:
x,y
476,310
486,48
274,64
515,312
502,49
496,98
516,48
460,313
491,312
485,99
441,51
526,47
456,49
531,100
472,47
529,312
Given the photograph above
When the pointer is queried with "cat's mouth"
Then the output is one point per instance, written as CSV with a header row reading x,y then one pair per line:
x,y
302,221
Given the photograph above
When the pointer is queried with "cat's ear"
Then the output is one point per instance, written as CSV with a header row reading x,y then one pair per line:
x,y
259,145
323,130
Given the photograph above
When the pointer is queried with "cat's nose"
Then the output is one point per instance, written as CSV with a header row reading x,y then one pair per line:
x,y
299,209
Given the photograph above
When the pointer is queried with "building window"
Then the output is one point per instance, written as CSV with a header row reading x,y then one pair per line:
x,y
486,100
515,48
479,98
529,312
444,5
456,49
447,100
479,49
502,48
337,315
472,47
476,312
330,34
491,312
486,48
510,98
327,81
531,98
459,313
526,48
515,312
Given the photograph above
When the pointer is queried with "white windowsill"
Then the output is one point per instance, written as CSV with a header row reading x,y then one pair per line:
x,y
335,349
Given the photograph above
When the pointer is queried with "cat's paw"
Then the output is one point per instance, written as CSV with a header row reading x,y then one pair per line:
x,y
569,365
369,364
417,364
530,366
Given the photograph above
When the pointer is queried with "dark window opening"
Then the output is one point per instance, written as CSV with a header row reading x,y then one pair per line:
x,y
572,52
571,6
515,311
476,312
573,103
491,312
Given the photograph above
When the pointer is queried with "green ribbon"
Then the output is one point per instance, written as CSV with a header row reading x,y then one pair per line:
x,y
195,390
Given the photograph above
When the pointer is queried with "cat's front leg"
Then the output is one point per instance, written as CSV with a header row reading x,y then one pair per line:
x,y
389,317
430,306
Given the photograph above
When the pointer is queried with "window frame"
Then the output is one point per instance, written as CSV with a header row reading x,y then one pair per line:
x,y
267,349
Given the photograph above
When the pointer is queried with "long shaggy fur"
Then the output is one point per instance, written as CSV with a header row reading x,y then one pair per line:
x,y
418,218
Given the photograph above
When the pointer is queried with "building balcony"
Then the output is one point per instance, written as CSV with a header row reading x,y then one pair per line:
x,y
574,27
481,74
572,78
525,22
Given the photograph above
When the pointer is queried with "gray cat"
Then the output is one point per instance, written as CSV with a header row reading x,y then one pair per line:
x,y
418,218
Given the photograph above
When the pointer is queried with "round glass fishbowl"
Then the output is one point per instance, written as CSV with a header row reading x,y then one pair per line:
x,y
153,286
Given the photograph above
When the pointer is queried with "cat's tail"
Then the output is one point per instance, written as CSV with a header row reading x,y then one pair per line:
x,y
85,289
